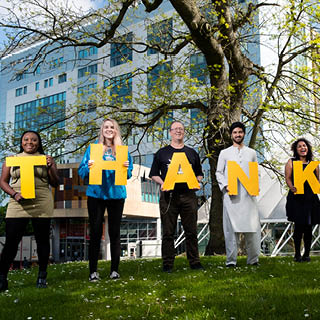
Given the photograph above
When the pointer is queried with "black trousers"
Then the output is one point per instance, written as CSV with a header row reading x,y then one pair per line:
x,y
15,228
304,230
171,205
96,209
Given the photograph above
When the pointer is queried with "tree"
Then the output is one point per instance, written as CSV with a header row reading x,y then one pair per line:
x,y
272,96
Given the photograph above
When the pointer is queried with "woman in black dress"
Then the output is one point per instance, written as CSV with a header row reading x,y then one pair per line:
x,y
302,209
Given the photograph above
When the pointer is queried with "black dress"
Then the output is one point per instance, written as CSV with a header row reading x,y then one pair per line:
x,y
303,208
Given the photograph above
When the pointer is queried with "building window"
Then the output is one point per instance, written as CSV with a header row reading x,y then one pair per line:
x,y
159,35
121,88
62,78
149,190
84,53
55,63
87,96
82,72
160,77
21,75
197,120
50,82
105,83
121,50
46,83
39,113
198,68
19,92
25,90
37,86
38,70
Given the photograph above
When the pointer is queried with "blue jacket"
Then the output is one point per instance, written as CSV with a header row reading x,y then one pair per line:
x,y
107,190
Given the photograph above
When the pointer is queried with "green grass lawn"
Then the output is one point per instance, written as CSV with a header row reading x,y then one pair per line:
x,y
277,289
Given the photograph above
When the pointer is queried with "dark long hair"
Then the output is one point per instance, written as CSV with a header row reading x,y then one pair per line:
x,y
295,152
40,147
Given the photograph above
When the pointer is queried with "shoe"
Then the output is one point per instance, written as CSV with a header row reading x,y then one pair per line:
x,y
197,266
297,259
305,259
114,275
167,269
3,283
94,277
254,264
230,265
42,279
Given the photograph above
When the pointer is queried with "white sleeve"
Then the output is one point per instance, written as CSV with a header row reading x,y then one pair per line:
x,y
220,172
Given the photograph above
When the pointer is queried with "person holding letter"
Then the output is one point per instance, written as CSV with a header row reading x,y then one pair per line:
x,y
39,209
302,209
240,212
105,196
181,200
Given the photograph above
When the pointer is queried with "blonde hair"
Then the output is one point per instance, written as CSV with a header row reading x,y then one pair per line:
x,y
117,140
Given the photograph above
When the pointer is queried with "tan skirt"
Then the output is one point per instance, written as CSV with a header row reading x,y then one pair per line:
x,y
40,207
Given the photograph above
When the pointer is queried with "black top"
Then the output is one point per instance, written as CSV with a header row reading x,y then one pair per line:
x,y
162,160
303,208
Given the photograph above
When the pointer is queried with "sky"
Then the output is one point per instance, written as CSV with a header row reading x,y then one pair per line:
x,y
85,4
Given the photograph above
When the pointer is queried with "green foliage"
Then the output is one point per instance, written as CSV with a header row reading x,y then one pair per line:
x,y
277,289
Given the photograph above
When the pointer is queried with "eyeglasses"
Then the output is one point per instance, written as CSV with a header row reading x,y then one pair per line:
x,y
177,129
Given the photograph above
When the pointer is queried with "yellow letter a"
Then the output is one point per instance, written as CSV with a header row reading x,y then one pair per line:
x,y
26,165
300,176
185,174
96,154
235,172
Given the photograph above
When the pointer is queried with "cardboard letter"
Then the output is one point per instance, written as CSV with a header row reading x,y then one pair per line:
x,y
251,183
185,174
300,176
96,154
26,165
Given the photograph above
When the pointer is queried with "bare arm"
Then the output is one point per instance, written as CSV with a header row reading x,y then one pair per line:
x,y
4,184
158,180
52,172
288,176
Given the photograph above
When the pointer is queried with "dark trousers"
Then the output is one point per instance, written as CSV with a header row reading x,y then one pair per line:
x,y
304,230
96,209
15,228
171,205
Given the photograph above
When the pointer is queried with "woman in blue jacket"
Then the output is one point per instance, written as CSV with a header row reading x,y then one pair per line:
x,y
107,195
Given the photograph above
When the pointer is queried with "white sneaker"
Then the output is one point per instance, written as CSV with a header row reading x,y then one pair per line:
x,y
114,275
94,277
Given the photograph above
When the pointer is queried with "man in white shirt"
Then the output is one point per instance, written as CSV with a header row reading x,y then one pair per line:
x,y
240,212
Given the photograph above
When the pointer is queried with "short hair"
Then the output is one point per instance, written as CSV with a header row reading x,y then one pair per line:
x,y
117,140
237,124
309,156
176,121
40,147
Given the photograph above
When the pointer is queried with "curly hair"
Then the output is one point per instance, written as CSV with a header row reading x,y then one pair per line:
x,y
295,152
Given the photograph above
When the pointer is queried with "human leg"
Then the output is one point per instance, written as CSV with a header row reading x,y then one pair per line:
x,y
115,209
189,214
297,237
307,239
252,241
231,240
14,231
96,209
41,228
169,217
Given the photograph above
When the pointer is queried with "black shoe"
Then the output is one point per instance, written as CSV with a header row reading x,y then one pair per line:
x,y
255,264
42,279
197,266
231,265
297,259
305,259
3,283
167,269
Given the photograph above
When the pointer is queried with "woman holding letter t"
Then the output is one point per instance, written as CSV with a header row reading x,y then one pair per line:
x,y
39,209
302,209
105,196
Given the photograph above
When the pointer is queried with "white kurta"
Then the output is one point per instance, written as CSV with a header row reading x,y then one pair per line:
x,y
241,209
